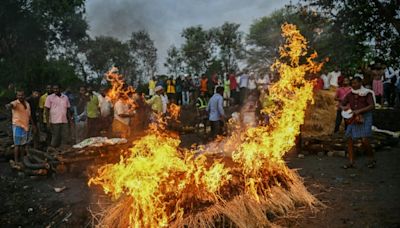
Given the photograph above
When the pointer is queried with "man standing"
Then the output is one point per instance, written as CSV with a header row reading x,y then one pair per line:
x,y
243,83
80,116
334,77
122,117
57,112
361,102
33,101
233,85
325,78
42,114
389,82
105,106
341,93
152,85
216,112
204,84
227,90
201,106
93,113
186,91
21,114
156,101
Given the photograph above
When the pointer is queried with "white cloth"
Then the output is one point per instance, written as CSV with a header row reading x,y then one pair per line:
x,y
325,78
389,73
105,105
263,81
252,84
333,78
364,92
121,108
164,100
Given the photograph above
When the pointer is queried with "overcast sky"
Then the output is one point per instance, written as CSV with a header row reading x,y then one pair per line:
x,y
165,19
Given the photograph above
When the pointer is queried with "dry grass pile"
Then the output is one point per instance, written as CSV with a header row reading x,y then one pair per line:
x,y
242,210
320,117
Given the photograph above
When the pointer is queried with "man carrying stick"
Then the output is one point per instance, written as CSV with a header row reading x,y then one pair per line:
x,y
359,102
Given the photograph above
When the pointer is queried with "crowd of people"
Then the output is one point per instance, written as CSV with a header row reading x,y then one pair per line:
x,y
56,116
357,97
63,117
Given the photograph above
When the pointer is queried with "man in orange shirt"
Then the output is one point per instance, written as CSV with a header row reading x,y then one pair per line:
x,y
203,84
21,115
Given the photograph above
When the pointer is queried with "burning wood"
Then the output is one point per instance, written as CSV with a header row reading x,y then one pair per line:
x,y
160,184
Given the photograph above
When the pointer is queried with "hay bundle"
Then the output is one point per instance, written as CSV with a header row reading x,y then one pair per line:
x,y
241,210
320,117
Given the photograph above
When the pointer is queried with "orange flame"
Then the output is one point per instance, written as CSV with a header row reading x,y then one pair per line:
x,y
119,89
164,181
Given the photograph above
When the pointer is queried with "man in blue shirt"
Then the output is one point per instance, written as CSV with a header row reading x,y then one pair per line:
x,y
216,112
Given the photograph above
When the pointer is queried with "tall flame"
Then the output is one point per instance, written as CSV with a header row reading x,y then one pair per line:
x,y
164,182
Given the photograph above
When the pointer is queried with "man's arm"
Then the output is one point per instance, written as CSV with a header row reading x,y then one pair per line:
x,y
221,108
10,105
46,111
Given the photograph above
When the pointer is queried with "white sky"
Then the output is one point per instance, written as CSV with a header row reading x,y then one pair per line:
x,y
165,19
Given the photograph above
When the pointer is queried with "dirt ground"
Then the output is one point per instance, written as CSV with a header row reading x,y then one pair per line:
x,y
359,197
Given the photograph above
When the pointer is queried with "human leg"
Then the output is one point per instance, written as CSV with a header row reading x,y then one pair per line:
x,y
338,120
350,154
55,135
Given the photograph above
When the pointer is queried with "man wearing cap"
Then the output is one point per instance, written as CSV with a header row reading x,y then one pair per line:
x,y
156,102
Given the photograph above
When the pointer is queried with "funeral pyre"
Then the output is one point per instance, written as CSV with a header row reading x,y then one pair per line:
x,y
159,184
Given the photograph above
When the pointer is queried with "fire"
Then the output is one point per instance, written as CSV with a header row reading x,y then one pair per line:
x,y
174,110
119,89
160,184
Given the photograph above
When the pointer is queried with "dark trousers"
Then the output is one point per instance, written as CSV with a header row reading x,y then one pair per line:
x,y
243,95
388,92
178,98
47,133
234,95
92,127
338,121
105,123
59,134
216,128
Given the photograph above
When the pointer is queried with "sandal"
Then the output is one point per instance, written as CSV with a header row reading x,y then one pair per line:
x,y
371,164
348,166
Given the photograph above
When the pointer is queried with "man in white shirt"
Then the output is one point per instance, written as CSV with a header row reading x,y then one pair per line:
x,y
333,77
263,82
122,117
389,82
326,79
164,100
106,109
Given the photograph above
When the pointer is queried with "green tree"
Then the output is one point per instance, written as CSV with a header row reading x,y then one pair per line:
x,y
374,24
142,49
197,48
228,40
323,36
29,29
174,61
104,52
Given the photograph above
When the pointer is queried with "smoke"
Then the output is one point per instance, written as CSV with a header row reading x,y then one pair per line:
x,y
165,19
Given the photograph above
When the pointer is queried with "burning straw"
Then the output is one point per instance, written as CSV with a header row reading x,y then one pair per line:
x,y
162,185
